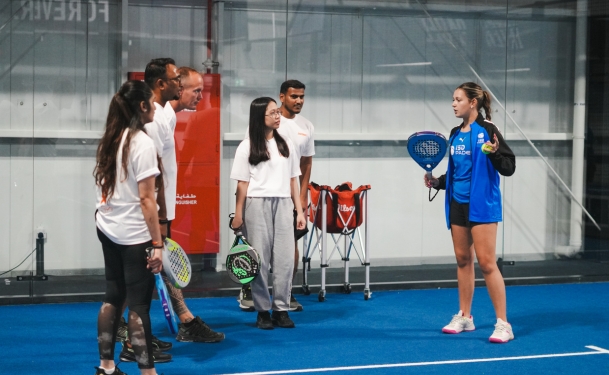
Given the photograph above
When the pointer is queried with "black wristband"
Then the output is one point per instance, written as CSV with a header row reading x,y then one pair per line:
x,y
163,221
158,247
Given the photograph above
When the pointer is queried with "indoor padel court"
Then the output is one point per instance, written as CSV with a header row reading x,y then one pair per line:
x,y
559,329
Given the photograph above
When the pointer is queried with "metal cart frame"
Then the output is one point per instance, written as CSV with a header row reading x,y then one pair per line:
x,y
318,239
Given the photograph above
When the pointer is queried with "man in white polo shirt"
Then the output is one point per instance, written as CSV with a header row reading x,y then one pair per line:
x,y
300,131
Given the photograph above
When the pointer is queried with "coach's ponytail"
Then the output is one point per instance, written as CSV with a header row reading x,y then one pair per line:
x,y
485,103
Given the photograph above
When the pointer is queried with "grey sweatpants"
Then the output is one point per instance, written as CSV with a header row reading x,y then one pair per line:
x,y
268,227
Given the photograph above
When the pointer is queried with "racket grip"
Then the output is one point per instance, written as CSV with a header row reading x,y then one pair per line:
x,y
429,176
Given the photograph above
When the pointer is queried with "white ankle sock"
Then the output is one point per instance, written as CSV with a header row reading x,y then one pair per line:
x,y
108,372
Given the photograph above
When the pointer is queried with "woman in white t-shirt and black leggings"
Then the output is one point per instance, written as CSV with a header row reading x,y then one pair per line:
x,y
127,174
267,169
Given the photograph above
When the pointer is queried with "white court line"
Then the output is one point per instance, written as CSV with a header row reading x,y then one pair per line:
x,y
596,349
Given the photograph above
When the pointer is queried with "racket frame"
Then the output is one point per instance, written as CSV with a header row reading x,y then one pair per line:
x,y
170,316
241,248
176,256
427,162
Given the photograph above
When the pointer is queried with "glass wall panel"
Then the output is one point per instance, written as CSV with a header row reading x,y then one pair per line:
x,y
378,71
18,40
539,96
254,51
375,72
167,29
75,73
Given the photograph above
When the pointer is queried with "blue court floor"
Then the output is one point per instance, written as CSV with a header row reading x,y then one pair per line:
x,y
559,329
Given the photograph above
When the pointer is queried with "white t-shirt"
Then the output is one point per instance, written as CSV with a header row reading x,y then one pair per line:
x,y
171,116
161,133
300,131
121,217
270,178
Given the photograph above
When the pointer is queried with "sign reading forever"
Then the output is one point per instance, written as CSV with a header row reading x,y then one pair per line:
x,y
64,10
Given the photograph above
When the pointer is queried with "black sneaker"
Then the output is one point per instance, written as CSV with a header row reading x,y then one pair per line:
x,y
282,319
128,355
123,329
246,303
161,346
264,320
197,331
294,305
100,371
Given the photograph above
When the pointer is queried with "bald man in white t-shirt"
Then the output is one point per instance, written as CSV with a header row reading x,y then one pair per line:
x,y
300,131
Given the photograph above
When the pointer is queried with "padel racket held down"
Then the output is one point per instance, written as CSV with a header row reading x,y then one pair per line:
x,y
243,261
427,148
170,316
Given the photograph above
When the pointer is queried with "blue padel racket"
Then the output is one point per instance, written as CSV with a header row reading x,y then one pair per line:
x,y
170,316
427,148
243,261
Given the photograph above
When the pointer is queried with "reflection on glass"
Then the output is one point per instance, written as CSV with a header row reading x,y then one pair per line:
x,y
375,72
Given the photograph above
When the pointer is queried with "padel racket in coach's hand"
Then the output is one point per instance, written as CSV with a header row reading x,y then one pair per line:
x,y
170,316
427,148
176,264
243,261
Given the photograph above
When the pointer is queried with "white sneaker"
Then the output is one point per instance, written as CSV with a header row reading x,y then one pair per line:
x,y
459,323
246,303
503,332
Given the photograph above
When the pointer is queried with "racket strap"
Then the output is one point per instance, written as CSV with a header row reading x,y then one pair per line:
x,y
430,197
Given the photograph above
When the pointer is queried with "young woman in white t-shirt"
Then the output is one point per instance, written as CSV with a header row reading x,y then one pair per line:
x,y
127,174
267,169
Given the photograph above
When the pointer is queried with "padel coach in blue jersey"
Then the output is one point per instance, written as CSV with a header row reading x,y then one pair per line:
x,y
479,169
478,154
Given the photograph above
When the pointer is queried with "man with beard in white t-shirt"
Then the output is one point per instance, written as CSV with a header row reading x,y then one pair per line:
x,y
171,95
300,131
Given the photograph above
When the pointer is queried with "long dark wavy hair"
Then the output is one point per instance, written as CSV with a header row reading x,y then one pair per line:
x,y
258,150
124,114
474,91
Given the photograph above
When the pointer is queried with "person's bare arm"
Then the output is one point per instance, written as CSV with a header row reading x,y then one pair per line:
x,y
160,200
300,220
148,204
306,163
240,202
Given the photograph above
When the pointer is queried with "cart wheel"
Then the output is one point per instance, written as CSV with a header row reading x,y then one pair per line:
x,y
321,296
367,294
306,290
347,288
